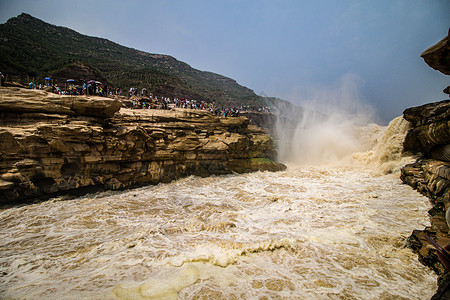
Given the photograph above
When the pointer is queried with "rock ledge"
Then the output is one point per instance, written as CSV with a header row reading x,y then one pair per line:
x,y
52,145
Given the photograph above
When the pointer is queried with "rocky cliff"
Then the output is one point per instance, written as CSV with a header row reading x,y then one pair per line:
x,y
430,175
438,55
51,144
430,134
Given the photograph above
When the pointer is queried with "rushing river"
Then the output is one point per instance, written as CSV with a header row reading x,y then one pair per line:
x,y
305,233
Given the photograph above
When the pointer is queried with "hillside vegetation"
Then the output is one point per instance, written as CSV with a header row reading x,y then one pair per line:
x,y
31,48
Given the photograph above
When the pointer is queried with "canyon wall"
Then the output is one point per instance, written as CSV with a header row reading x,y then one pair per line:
x,y
51,144
430,175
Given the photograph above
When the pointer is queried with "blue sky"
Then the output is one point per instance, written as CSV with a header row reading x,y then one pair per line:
x,y
294,50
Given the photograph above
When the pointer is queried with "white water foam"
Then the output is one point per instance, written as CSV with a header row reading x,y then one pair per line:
x,y
303,233
387,154
334,231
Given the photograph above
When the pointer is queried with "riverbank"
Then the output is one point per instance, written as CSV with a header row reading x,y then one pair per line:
x,y
52,144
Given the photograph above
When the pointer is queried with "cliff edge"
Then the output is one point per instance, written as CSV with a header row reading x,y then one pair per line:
x,y
51,144
430,175
438,55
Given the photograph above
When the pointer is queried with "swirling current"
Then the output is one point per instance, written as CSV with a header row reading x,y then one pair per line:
x,y
305,233
336,232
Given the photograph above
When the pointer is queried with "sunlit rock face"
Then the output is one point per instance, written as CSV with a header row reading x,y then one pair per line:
x,y
52,144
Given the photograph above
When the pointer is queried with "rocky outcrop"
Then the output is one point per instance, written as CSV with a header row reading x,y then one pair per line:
x,y
51,144
438,56
262,119
430,175
432,179
431,129
24,102
430,136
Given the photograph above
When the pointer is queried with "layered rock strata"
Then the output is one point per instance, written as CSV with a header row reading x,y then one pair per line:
x,y
430,134
51,144
430,175
430,137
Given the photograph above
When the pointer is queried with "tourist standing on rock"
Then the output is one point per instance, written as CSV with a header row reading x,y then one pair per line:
x,y
2,81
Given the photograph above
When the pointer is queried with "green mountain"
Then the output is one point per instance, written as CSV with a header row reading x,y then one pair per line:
x,y
31,48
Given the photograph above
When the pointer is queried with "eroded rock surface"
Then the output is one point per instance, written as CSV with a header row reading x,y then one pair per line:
x,y
438,56
51,144
430,175
431,128
432,178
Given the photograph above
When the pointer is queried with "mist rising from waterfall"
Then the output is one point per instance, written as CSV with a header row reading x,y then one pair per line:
x,y
386,152
334,125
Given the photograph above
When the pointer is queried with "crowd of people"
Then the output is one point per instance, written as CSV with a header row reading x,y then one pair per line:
x,y
152,102
71,88
141,98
